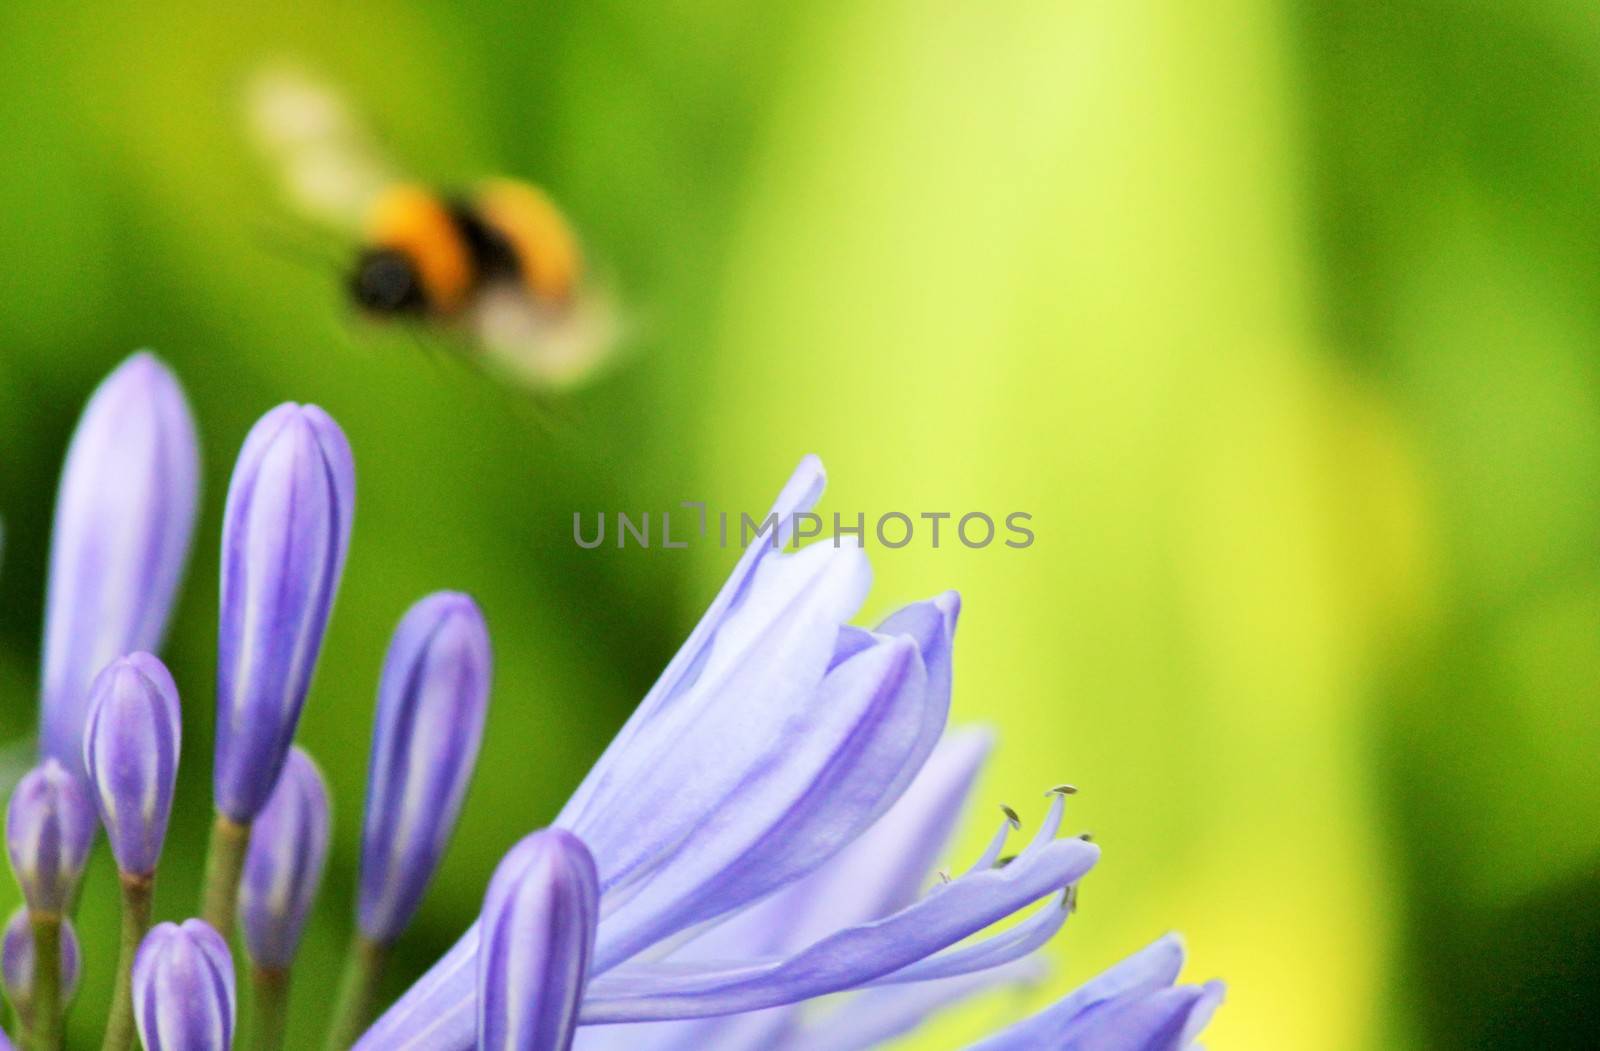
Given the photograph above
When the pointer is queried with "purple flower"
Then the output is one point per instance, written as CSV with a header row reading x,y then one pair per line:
x,y
883,871
538,924
431,705
50,827
183,991
283,869
878,874
130,752
1134,1006
775,738
16,961
125,512
285,533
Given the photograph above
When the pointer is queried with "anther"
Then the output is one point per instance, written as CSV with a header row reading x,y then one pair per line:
x,y
1062,790
1011,817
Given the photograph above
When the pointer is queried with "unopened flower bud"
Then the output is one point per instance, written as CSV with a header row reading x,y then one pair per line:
x,y
286,530
130,752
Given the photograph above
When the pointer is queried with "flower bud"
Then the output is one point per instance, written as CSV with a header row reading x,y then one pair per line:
x,y
50,827
183,989
130,752
431,704
283,869
16,961
538,928
125,513
285,533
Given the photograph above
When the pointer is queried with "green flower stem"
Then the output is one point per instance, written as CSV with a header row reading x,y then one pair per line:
x,y
269,1013
138,896
224,864
358,992
44,1007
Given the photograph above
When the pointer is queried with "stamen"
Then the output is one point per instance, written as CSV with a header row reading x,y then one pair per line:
x,y
1011,816
1062,790
1052,822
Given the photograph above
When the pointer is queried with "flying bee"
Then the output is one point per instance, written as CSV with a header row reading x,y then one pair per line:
x,y
497,261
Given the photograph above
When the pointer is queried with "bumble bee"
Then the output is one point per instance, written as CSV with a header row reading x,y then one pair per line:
x,y
497,261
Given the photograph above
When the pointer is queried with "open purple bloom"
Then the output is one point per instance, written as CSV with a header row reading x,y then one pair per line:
x,y
775,738
283,869
125,514
286,530
882,872
17,967
183,989
431,705
130,752
50,826
1134,1006
538,925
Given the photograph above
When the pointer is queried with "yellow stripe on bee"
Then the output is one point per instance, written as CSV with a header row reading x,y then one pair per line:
x,y
415,222
546,249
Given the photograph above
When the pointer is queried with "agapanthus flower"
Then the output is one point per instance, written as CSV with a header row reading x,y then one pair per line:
x,y
283,869
125,514
539,921
763,832
50,827
884,871
1134,1006
776,737
285,534
130,755
432,700
184,989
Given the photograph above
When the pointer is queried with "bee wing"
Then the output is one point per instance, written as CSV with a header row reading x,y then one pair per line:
x,y
330,168
545,346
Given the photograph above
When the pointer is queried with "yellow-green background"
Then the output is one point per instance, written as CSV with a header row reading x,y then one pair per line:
x,y
1282,320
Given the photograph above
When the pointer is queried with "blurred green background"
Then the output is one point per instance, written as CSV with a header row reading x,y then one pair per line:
x,y
1281,319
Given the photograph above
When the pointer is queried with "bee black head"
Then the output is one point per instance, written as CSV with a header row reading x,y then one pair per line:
x,y
386,282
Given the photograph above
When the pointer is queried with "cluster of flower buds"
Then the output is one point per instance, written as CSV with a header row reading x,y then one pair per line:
x,y
759,835
112,725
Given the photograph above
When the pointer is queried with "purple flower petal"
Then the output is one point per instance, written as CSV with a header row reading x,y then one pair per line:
x,y
877,1016
183,989
824,776
286,531
538,926
125,514
1130,1007
880,873
431,706
800,493
283,869
130,752
773,649
848,958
